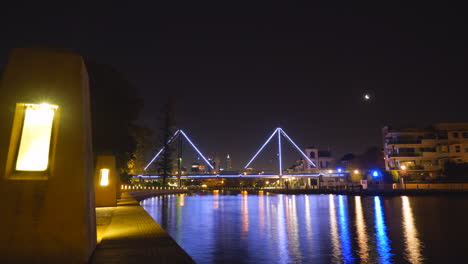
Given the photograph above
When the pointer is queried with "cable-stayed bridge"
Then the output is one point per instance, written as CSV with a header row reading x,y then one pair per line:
x,y
278,135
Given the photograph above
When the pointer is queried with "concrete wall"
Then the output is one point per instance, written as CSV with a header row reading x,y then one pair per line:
x,y
106,195
49,219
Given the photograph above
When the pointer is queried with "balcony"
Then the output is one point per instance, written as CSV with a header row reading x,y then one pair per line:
x,y
429,142
406,154
416,167
404,141
430,154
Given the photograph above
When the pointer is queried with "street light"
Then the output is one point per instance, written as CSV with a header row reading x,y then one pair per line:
x,y
356,171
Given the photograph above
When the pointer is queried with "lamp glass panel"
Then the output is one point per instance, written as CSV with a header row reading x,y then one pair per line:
x,y
104,177
34,146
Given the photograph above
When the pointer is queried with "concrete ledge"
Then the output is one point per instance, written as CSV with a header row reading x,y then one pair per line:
x,y
141,195
132,236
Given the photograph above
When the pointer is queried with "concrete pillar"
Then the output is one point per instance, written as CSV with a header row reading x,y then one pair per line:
x,y
46,159
105,181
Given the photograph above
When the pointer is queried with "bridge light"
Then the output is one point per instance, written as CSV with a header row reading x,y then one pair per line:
x,y
339,170
330,171
356,171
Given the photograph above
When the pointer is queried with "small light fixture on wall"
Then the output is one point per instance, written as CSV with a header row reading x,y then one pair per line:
x,y
104,177
32,142
35,139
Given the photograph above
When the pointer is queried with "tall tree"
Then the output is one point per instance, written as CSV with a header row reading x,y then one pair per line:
x,y
167,128
145,144
115,106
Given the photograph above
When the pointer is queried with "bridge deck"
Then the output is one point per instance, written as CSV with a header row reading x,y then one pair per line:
x,y
129,235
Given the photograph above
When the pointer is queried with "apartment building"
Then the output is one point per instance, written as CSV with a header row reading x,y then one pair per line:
x,y
423,152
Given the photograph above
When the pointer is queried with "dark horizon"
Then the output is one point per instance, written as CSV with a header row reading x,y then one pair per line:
x,y
239,72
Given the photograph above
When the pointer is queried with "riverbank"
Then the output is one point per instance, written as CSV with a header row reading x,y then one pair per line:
x,y
128,234
391,192
141,195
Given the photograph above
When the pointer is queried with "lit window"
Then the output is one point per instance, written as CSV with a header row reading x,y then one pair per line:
x,y
104,177
34,145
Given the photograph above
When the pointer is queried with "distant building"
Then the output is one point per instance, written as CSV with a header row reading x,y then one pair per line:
x,y
217,163
195,167
423,152
228,163
322,158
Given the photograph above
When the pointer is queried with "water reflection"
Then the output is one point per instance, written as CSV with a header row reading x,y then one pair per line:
x,y
361,231
282,238
292,230
336,247
215,199
383,243
412,242
234,228
308,219
245,215
181,200
344,233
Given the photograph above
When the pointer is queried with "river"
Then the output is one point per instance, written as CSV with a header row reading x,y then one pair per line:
x,y
230,227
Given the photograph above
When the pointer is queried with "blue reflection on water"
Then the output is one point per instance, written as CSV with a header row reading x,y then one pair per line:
x,y
239,228
282,237
383,243
344,232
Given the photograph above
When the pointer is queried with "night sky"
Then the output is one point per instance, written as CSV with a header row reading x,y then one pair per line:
x,y
237,72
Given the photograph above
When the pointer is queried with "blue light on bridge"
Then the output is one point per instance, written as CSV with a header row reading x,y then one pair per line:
x,y
375,173
339,170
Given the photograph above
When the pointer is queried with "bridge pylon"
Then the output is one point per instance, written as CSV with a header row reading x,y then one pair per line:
x,y
279,132
179,135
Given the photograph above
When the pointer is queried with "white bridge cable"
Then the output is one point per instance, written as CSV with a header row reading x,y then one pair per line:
x,y
298,149
260,150
198,151
162,149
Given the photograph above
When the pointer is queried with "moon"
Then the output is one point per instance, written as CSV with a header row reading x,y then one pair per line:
x,y
367,97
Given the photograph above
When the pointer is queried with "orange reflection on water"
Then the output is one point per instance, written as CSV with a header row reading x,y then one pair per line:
x,y
245,214
215,199
182,199
413,244
261,212
361,231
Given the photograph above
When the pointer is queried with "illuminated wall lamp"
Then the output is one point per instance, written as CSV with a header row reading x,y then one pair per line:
x,y
32,141
104,173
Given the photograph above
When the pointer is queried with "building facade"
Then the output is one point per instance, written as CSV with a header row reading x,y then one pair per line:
x,y
322,158
228,163
424,152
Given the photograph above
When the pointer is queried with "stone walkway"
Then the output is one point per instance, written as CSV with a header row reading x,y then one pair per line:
x,y
132,236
